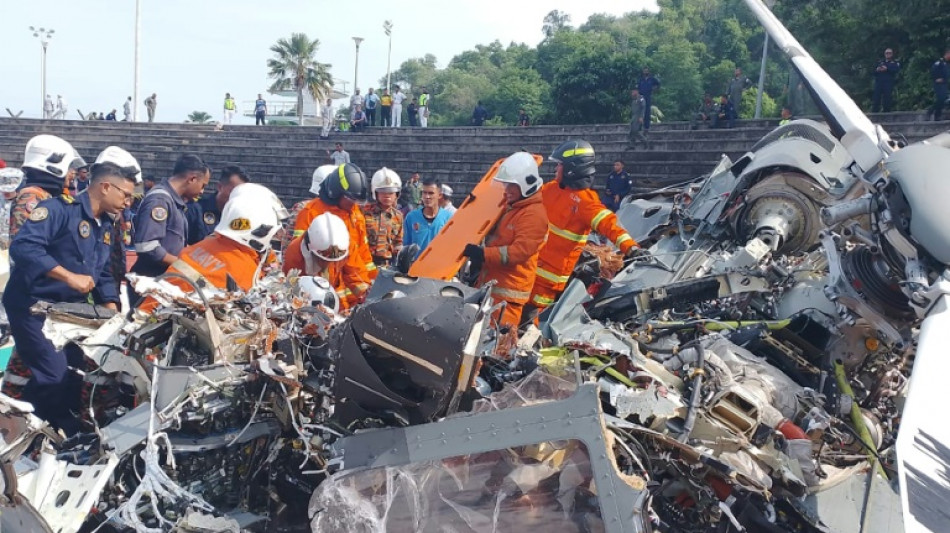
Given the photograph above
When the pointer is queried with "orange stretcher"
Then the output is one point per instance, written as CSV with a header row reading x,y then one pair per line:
x,y
477,215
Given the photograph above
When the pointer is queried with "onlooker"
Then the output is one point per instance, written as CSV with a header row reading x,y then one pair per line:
x,y
230,107
339,156
386,109
111,116
260,111
150,104
940,72
412,111
412,192
48,107
127,110
885,76
424,108
358,119
786,116
638,111
61,107
327,115
479,114
726,114
646,85
356,100
398,98
705,112
371,102
424,223
523,119
446,202
618,186
736,86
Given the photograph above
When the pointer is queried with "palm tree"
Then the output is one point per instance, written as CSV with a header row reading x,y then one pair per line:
x,y
294,67
199,117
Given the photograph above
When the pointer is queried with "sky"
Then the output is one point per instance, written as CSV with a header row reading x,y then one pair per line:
x,y
194,51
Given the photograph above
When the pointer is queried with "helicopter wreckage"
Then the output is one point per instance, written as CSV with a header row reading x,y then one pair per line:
x,y
771,366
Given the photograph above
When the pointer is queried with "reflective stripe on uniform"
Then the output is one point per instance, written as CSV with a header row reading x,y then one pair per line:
x,y
569,235
510,293
597,219
148,246
551,276
371,266
622,239
503,252
299,232
542,301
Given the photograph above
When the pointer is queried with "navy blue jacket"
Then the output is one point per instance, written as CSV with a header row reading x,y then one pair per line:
x,y
886,78
160,228
646,85
60,232
940,70
203,217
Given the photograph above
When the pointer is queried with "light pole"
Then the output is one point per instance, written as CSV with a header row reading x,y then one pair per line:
x,y
135,82
356,69
388,27
44,35
765,53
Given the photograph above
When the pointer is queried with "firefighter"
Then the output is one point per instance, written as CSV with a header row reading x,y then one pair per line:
x,y
509,255
383,218
322,251
574,210
44,176
341,194
319,175
61,254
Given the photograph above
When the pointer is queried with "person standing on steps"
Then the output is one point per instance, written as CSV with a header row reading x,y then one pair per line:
x,y
646,85
736,86
260,111
327,115
386,109
424,108
885,77
230,107
150,104
371,103
412,111
48,107
127,110
61,107
639,109
398,98
940,72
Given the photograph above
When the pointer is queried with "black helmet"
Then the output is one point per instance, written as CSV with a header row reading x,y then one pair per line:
x,y
347,180
577,156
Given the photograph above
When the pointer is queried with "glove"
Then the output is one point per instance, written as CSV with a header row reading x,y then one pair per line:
x,y
475,253
637,254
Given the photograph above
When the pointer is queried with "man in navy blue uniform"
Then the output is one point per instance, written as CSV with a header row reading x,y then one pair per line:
x,y
940,72
161,229
61,254
646,84
204,214
885,77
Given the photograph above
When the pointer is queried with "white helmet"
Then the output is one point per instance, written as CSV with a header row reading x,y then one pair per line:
x,y
319,175
447,191
263,195
120,158
328,238
520,168
49,154
250,219
385,180
318,291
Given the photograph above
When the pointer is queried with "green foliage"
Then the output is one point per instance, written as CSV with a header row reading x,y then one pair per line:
x,y
294,67
199,117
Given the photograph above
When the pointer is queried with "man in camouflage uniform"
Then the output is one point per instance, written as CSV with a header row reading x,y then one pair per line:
x,y
384,221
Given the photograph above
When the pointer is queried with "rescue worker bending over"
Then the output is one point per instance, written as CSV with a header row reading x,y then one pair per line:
x,y
574,210
509,256
319,175
61,254
240,245
383,218
341,194
322,252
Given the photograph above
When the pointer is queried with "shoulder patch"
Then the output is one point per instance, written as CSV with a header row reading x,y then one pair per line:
x,y
159,214
39,214
85,229
209,218
240,224
107,238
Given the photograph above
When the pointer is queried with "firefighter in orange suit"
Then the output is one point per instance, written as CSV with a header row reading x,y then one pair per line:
x,y
509,256
574,210
341,193
322,252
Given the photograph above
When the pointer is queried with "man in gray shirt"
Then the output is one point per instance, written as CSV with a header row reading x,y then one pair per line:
x,y
637,110
736,86
339,156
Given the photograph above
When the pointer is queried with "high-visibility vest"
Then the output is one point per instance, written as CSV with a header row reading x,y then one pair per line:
x,y
424,100
229,104
386,100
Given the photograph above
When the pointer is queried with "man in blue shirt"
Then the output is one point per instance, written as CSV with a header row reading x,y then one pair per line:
x,y
61,254
618,186
646,85
260,111
423,224
370,103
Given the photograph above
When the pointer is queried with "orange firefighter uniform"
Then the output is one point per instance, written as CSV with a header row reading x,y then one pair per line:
x,y
572,215
355,224
511,255
340,274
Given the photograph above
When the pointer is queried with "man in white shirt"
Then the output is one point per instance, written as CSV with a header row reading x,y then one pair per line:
x,y
327,114
61,107
356,100
446,202
127,110
398,97
339,156
48,107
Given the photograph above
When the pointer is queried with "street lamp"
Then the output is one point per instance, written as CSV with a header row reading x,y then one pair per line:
x,y
44,35
765,53
135,80
356,69
388,28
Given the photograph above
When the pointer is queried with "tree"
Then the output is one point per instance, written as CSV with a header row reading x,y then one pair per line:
x,y
294,67
414,72
199,117
554,22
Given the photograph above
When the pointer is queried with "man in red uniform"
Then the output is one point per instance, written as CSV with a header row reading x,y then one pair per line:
x,y
574,210
509,255
322,252
341,194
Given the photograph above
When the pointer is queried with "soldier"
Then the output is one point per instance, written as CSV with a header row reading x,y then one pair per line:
x,y
383,219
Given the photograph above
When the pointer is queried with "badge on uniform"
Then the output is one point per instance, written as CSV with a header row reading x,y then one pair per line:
x,y
240,224
159,214
39,214
209,218
85,229
107,238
